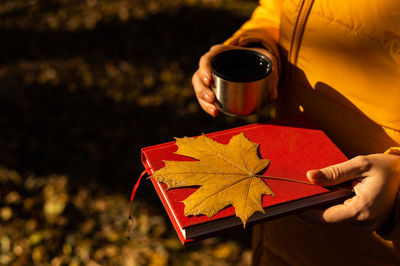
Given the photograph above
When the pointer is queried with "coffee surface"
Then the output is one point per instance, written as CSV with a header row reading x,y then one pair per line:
x,y
242,69
241,65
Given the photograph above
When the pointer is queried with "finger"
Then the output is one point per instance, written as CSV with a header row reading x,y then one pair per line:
x,y
205,62
346,212
205,68
339,173
201,90
209,108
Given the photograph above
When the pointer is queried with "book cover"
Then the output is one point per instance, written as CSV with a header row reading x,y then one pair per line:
x,y
293,145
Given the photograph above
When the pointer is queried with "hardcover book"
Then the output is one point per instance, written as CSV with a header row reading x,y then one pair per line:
x,y
293,147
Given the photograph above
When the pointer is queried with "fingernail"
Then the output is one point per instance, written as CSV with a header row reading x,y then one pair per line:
x,y
206,80
208,97
314,175
213,111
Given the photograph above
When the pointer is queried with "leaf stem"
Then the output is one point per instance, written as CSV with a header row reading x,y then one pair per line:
x,y
285,179
302,182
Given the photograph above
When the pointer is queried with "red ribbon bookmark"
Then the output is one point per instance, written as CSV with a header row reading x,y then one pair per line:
x,y
132,197
134,191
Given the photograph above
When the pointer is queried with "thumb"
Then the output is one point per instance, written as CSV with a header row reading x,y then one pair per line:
x,y
339,173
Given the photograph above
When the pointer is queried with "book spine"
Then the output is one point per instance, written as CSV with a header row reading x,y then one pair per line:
x,y
164,200
146,164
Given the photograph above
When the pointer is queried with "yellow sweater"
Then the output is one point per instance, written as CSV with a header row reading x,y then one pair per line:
x,y
340,64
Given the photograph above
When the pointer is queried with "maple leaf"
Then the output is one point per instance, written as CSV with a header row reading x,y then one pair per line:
x,y
226,174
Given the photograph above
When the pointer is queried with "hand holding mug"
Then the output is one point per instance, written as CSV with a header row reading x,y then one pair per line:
x,y
202,78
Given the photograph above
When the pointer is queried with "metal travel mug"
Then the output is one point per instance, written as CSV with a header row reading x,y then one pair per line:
x,y
240,79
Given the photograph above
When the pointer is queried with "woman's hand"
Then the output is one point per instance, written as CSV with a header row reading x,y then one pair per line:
x,y
375,179
202,78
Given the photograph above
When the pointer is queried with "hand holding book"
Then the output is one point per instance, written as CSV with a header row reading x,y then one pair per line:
x,y
375,189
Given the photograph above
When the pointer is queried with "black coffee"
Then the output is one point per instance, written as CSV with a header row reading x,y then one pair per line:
x,y
241,65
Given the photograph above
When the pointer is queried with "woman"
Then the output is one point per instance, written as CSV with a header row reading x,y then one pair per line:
x,y
338,62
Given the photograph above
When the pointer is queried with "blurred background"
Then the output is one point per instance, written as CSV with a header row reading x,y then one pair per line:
x,y
84,84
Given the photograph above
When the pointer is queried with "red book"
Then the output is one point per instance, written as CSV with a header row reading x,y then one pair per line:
x,y
294,146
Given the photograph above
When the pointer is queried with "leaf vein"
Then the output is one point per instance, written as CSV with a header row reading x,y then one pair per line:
x,y
242,154
223,158
218,191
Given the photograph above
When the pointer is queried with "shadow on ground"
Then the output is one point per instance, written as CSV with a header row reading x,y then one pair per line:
x,y
82,104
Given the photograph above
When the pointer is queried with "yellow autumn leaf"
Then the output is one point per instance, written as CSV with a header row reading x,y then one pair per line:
x,y
226,174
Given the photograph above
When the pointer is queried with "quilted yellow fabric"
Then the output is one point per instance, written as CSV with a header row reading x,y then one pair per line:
x,y
339,62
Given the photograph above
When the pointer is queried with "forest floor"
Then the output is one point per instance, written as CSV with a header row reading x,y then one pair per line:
x,y
84,85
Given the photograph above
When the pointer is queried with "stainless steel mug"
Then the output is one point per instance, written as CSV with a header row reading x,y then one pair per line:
x,y
240,80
